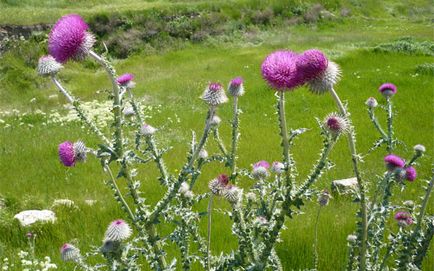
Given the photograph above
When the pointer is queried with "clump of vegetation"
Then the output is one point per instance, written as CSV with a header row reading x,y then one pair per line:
x,y
407,45
426,68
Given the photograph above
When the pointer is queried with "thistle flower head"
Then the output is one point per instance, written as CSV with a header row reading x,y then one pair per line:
x,y
277,167
279,69
69,39
393,162
232,194
260,170
203,154
324,198
215,121
311,64
69,253
70,153
404,219
387,89
147,130
126,80
214,94
335,124
410,173
47,65
236,87
118,231
371,102
325,81
217,185
419,149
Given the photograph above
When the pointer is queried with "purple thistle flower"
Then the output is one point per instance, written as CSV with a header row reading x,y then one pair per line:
x,y
126,80
69,39
393,161
70,153
235,87
410,174
279,69
387,89
217,185
214,94
260,170
335,124
404,219
70,253
311,64
262,163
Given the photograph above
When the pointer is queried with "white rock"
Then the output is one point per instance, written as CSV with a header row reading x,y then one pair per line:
x,y
29,217
344,186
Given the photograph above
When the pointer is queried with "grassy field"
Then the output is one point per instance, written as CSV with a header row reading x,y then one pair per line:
x,y
32,177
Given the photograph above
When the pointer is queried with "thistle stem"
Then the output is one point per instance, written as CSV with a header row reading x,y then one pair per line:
x,y
220,142
208,246
285,141
361,186
235,136
377,124
315,245
389,125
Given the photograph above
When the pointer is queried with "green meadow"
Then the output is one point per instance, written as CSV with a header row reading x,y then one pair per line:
x,y
170,83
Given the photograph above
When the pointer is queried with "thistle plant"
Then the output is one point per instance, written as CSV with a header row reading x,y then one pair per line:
x,y
258,212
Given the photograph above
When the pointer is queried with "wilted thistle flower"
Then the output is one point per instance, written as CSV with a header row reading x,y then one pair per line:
x,y
324,198
393,162
352,238
311,64
387,89
260,170
215,121
126,80
335,124
217,185
70,253
118,231
70,153
371,102
326,81
404,219
214,94
232,194
47,65
410,173
236,87
279,69
203,154
277,167
419,149
128,111
69,39
147,130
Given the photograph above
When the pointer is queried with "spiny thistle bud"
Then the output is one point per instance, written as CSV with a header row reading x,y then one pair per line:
x,y
118,230
70,153
217,185
279,69
232,194
203,154
277,167
404,219
70,253
393,161
126,80
214,94
128,111
47,65
69,39
147,130
387,89
326,80
236,87
215,121
260,170
419,149
352,238
335,124
324,198
371,102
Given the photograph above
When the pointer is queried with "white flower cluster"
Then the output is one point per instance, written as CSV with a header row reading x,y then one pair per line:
x,y
28,264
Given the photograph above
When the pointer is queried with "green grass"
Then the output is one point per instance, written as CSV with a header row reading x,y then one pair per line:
x,y
32,177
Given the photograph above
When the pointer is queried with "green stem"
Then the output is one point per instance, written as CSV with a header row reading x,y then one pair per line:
x,y
285,142
220,142
360,183
235,137
389,126
208,246
315,245
377,124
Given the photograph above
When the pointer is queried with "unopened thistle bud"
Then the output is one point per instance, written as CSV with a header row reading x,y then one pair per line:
x,y
277,167
260,170
387,89
232,194
128,111
324,198
419,149
236,87
47,65
408,203
117,231
147,130
371,102
326,81
217,185
203,154
410,174
335,124
352,238
184,188
214,94
404,219
70,153
70,253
